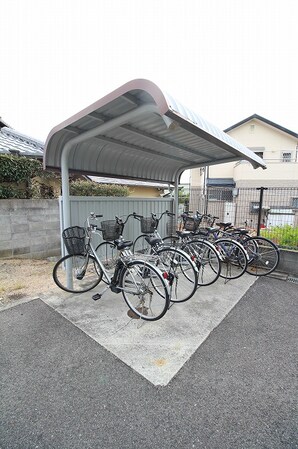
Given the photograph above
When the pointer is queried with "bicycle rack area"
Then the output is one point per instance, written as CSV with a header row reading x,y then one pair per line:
x,y
139,132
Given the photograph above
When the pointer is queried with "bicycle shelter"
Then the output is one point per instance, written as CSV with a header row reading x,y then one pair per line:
x,y
138,132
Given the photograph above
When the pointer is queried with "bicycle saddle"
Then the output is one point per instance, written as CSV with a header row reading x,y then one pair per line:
x,y
212,229
224,225
241,231
121,244
152,240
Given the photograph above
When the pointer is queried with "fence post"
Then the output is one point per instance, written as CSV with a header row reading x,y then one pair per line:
x,y
261,189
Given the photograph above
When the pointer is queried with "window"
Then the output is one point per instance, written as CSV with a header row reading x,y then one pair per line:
x,y
295,203
254,207
220,194
286,156
259,153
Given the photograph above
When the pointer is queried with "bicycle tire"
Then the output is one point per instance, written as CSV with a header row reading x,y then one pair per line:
x,y
181,272
108,255
234,258
139,280
171,240
263,256
77,280
141,246
206,258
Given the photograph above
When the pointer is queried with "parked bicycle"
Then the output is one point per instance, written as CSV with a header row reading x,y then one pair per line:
x,y
233,256
180,270
143,286
201,251
263,254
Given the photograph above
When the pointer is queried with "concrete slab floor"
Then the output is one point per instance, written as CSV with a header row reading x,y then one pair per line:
x,y
156,350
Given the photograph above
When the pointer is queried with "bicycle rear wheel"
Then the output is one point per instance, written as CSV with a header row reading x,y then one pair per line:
x,y
234,258
77,274
263,256
206,258
180,271
144,290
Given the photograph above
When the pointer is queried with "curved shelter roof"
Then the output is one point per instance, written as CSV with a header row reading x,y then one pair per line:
x,y
140,132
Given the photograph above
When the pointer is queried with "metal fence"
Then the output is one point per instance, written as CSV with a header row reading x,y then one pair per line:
x,y
270,212
80,208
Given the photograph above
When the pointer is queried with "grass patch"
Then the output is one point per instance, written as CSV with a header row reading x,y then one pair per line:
x,y
284,236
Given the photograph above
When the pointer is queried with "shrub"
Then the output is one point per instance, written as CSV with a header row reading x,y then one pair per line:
x,y
91,188
284,236
17,169
7,192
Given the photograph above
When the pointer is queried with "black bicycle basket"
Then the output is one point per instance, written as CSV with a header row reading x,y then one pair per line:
x,y
191,224
148,225
74,240
110,229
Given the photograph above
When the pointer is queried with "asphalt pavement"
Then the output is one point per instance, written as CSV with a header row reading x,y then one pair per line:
x,y
62,389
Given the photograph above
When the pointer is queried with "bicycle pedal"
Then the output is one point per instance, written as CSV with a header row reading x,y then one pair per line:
x,y
96,297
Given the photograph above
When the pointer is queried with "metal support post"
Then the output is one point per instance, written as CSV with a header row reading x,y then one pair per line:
x,y
261,189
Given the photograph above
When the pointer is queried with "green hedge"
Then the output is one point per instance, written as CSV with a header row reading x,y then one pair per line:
x,y
18,169
15,170
90,188
7,192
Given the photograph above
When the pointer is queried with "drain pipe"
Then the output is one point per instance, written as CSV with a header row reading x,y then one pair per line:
x,y
104,127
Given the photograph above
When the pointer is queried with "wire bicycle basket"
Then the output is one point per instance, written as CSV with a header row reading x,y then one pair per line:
x,y
148,225
190,224
110,229
74,239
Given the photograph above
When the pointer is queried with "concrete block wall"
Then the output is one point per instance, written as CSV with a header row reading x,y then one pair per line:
x,y
288,262
29,228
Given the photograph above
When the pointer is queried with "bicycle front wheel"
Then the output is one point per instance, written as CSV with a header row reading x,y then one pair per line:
x,y
234,258
180,271
206,258
108,255
144,290
77,274
141,246
263,256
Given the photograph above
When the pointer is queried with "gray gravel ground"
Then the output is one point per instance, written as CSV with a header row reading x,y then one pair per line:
x,y
62,390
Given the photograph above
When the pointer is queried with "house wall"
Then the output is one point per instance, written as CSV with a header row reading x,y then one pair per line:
x,y
144,192
276,175
258,135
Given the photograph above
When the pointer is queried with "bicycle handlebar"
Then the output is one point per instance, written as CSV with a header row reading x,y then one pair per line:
x,y
94,216
123,222
168,213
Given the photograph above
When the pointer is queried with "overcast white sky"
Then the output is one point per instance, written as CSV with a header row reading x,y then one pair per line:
x,y
225,59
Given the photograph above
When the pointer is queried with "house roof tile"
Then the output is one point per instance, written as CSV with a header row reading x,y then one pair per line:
x,y
12,141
